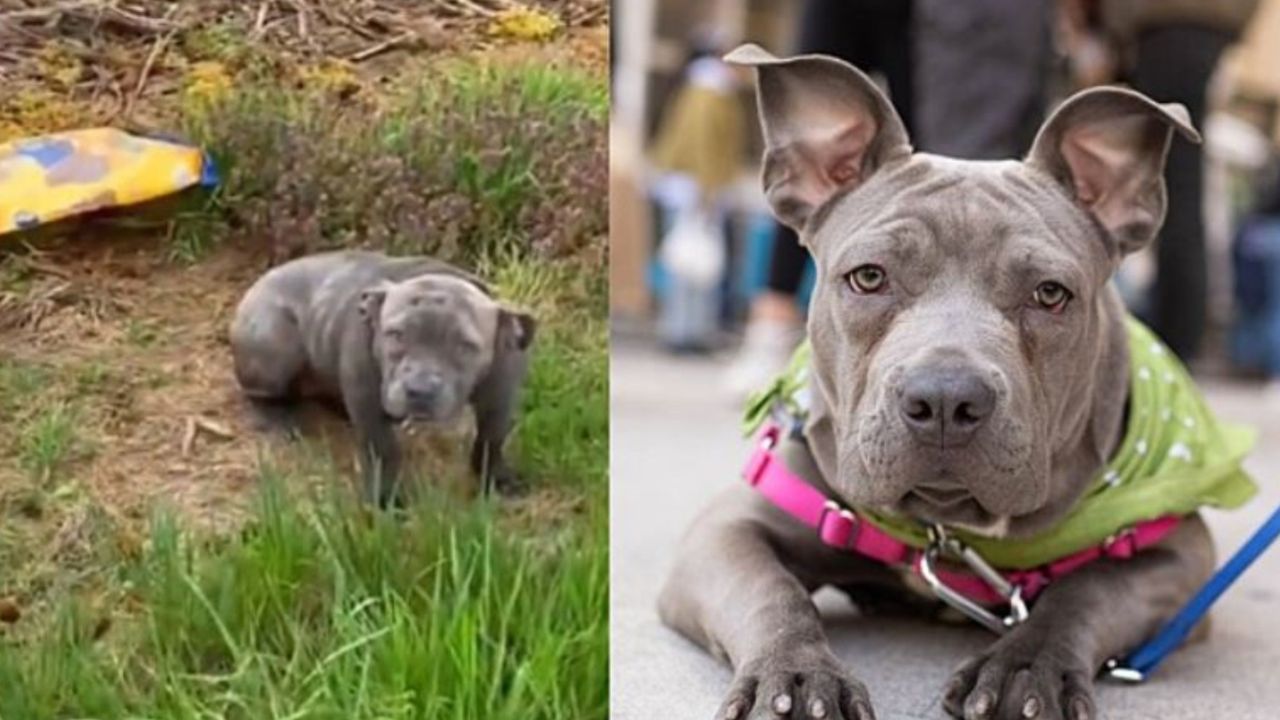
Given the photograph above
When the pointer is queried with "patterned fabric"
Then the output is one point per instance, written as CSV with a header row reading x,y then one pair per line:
x,y
1175,458
48,178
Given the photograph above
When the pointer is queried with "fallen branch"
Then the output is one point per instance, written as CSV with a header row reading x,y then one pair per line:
x,y
474,7
188,436
590,16
46,12
214,428
301,8
47,269
96,11
133,21
143,76
195,424
381,47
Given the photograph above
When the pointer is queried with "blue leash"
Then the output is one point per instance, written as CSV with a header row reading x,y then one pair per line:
x,y
1141,662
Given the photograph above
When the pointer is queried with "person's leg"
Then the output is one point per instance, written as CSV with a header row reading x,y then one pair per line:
x,y
775,314
787,262
872,35
775,323
980,72
845,29
774,320
833,27
1174,64
891,44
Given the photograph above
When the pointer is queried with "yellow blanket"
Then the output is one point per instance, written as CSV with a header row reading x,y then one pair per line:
x,y
51,177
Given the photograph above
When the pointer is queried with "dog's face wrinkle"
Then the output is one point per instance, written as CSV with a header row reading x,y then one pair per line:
x,y
963,262
433,333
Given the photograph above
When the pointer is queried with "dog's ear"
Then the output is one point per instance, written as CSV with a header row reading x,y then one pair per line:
x,y
515,329
370,303
1107,146
827,127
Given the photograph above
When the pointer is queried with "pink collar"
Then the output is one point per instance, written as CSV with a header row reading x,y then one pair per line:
x,y
842,529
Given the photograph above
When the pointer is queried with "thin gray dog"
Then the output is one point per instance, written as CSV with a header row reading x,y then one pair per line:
x,y
391,339
970,367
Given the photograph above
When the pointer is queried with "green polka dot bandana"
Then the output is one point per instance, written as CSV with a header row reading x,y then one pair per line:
x,y
1176,457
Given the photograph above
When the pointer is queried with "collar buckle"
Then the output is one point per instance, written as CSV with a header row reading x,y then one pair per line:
x,y
842,530
1121,545
940,544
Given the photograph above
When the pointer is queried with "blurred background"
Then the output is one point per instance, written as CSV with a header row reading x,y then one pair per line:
x,y
699,266
709,294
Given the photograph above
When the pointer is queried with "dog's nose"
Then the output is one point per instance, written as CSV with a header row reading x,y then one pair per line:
x,y
424,392
945,406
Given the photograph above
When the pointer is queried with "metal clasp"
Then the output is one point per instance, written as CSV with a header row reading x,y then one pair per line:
x,y
1116,670
939,544
790,425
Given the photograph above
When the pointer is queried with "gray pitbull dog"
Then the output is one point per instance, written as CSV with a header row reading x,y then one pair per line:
x,y
970,367
392,339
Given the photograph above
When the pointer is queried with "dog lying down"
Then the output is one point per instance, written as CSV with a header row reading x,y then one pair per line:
x,y
392,339
970,373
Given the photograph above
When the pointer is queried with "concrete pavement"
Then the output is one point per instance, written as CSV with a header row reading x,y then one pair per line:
x,y
675,442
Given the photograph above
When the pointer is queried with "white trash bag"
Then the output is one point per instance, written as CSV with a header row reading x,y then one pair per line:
x,y
693,250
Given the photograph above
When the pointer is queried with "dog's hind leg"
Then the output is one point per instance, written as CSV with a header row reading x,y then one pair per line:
x,y
270,358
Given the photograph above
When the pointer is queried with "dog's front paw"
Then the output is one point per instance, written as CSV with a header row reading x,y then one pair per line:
x,y
506,483
780,687
1023,676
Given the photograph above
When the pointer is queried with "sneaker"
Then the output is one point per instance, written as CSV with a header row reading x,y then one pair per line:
x,y
766,350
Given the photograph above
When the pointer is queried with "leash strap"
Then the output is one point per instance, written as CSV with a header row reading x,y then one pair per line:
x,y
1139,664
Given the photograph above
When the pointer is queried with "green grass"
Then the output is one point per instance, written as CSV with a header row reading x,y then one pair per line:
x,y
92,377
47,440
318,610
195,234
141,333
530,89
562,435
14,276
19,381
218,42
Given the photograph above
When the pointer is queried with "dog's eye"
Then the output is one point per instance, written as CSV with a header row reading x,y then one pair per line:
x,y
1052,296
394,335
867,279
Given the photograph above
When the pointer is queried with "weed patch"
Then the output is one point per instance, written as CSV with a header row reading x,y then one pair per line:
x,y
19,382
479,159
47,441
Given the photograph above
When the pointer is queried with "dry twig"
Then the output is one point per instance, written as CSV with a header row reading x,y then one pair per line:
x,y
145,74
474,7
188,436
195,424
381,47
261,19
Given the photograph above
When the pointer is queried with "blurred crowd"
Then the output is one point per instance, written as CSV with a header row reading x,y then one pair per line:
x,y
973,80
